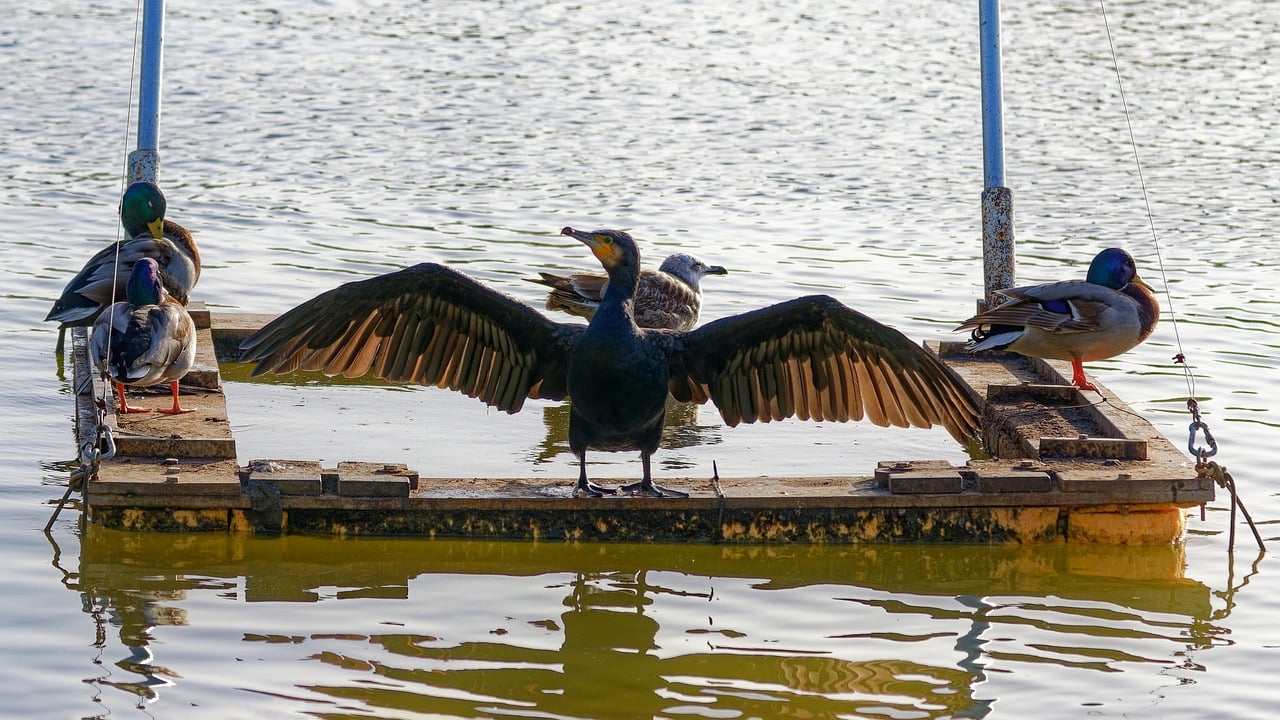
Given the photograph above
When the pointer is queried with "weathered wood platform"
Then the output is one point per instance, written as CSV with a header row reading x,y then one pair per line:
x,y
1070,468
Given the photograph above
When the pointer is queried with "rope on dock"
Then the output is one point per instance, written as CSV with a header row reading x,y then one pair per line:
x,y
102,446
1204,467
1220,475
92,453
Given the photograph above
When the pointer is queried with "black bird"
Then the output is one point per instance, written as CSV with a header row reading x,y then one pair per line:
x,y
668,298
811,357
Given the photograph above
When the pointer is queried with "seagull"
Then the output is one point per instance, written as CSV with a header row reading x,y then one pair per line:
x,y
668,299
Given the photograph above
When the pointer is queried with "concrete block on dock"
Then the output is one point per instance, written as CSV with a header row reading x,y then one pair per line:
x,y
199,313
289,477
204,373
919,477
161,480
1017,479
363,479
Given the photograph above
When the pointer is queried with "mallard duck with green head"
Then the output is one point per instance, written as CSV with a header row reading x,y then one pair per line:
x,y
146,339
1108,313
149,235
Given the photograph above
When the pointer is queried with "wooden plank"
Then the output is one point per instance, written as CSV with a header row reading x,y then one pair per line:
x,y
165,479
230,328
203,433
1093,447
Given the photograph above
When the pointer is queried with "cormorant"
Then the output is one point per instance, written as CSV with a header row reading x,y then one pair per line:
x,y
1110,312
146,339
811,357
666,299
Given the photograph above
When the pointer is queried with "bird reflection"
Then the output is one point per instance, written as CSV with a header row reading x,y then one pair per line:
x,y
681,429
608,640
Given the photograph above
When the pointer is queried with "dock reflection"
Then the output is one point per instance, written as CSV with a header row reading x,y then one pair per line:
x,y
646,630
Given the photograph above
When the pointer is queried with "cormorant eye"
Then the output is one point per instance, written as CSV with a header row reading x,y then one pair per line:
x,y
605,239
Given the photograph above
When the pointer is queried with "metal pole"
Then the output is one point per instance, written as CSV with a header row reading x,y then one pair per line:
x,y
144,163
997,200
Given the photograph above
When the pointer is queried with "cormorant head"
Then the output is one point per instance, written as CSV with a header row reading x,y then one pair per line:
x,y
144,286
689,268
1114,268
142,210
613,248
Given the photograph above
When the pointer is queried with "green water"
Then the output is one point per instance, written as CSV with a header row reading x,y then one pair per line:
x,y
612,630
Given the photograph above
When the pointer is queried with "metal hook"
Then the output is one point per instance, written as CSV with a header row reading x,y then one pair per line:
x,y
91,455
1201,453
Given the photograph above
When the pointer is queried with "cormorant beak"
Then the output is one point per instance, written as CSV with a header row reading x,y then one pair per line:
x,y
601,245
715,270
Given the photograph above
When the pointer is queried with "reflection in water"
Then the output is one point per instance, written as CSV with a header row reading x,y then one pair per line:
x,y
438,413
680,430
719,631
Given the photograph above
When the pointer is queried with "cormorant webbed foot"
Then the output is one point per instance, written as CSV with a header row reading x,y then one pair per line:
x,y
647,488
590,489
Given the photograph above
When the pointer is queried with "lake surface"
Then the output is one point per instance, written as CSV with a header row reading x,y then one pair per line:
x,y
824,147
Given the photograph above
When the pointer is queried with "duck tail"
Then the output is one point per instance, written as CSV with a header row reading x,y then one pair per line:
x,y
993,337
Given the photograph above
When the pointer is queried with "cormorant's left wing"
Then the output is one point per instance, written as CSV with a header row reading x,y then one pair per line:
x,y
816,359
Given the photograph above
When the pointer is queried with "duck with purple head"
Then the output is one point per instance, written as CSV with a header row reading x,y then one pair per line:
x,y
146,339
1108,313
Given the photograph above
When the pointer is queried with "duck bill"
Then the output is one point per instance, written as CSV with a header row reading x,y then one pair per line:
x,y
1141,283
156,228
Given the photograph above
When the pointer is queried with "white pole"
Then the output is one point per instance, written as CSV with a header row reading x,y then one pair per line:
x,y
997,200
144,163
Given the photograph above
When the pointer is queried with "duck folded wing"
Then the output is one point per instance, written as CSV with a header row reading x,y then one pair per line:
x,y
1070,306
172,336
428,325
108,270
815,358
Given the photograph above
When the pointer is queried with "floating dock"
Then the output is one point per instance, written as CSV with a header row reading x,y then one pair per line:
x,y
1070,468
